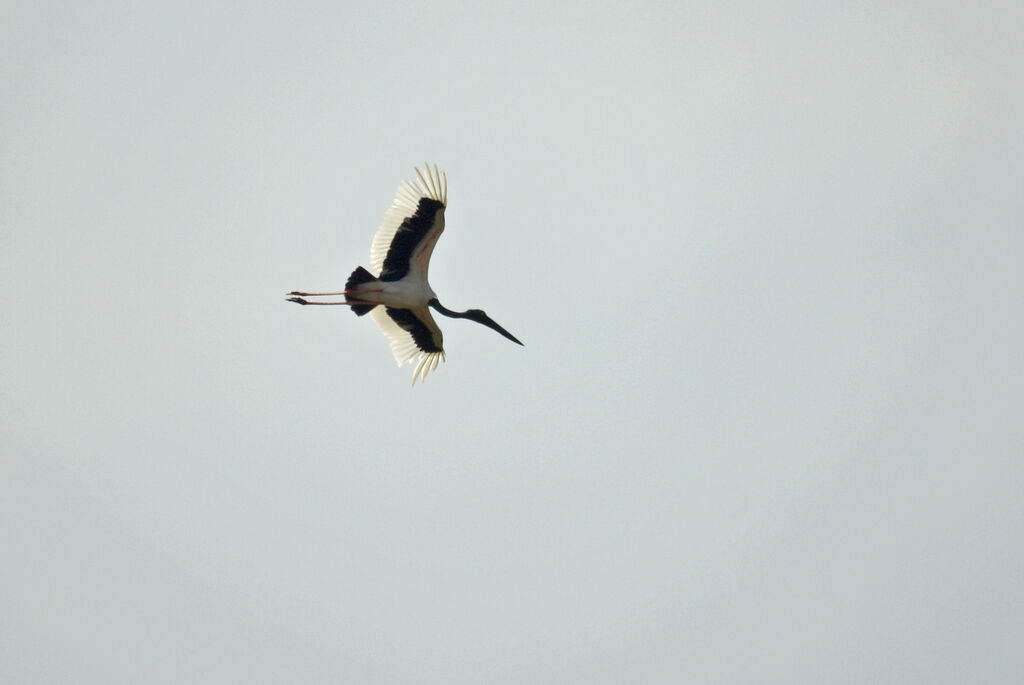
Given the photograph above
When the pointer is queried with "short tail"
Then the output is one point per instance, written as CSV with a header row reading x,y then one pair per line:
x,y
358,277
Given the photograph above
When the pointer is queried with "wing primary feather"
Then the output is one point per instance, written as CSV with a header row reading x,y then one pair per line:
x,y
422,181
435,186
429,182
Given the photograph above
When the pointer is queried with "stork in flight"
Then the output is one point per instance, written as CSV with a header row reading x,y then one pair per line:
x,y
398,299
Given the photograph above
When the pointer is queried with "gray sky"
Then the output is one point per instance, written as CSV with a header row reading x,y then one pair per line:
x,y
766,426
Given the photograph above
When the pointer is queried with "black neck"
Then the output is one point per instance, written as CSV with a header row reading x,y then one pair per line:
x,y
444,310
473,315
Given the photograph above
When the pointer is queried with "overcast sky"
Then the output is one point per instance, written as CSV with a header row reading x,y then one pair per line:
x,y
765,260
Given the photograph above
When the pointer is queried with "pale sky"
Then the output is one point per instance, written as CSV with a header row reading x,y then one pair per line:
x,y
765,260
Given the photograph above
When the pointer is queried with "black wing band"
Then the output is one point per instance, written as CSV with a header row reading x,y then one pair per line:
x,y
407,237
421,334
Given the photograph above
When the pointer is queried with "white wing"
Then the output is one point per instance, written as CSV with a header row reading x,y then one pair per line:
x,y
404,347
434,185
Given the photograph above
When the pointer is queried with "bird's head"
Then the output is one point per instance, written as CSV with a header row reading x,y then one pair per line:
x,y
480,316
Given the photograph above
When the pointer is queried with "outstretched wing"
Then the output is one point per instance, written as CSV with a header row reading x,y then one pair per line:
x,y
411,226
414,337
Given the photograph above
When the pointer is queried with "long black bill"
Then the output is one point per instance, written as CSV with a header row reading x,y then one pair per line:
x,y
491,323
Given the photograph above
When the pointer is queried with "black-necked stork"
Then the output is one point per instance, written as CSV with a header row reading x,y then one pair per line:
x,y
398,299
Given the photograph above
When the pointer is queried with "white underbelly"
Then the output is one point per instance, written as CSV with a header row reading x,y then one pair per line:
x,y
397,293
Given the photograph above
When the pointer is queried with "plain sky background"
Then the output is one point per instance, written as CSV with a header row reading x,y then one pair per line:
x,y
765,259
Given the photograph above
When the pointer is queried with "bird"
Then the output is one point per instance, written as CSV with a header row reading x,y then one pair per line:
x,y
399,298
